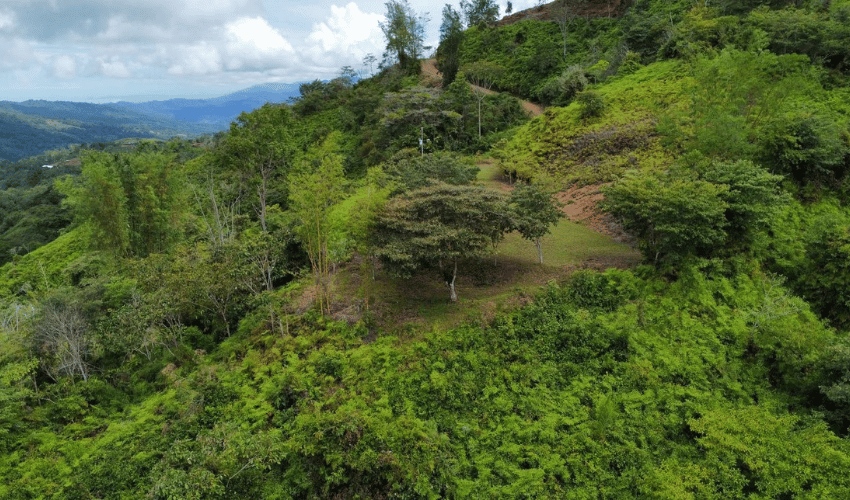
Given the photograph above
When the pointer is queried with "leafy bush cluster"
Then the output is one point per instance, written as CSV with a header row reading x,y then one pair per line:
x,y
609,384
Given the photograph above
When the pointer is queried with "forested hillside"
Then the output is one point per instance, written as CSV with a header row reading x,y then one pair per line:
x,y
29,128
373,291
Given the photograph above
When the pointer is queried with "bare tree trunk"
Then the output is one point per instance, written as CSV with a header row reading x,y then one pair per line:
x,y
479,115
539,250
262,193
452,292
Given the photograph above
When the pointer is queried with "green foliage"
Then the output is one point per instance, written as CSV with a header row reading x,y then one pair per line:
x,y
30,218
45,267
438,226
751,200
410,170
443,120
131,203
312,194
836,384
196,379
732,97
536,210
591,104
806,147
405,35
560,90
259,152
748,450
826,267
562,145
479,12
672,217
451,38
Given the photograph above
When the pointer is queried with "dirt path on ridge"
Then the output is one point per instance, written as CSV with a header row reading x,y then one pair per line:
x,y
429,68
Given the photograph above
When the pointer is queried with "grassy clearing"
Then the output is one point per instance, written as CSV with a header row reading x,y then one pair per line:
x,y
502,282
506,280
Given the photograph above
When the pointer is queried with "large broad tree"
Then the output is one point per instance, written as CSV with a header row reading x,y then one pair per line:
x,y
405,34
671,216
439,226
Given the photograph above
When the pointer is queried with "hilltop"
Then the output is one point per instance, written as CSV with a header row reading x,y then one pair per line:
x,y
372,291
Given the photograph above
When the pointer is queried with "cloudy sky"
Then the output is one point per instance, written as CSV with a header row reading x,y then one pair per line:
x,y
138,50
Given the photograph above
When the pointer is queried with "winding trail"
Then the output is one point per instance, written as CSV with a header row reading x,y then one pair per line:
x,y
580,203
429,68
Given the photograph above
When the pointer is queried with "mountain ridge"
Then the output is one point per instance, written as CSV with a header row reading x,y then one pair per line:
x,y
29,127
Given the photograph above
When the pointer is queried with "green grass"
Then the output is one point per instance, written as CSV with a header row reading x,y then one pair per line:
x,y
506,280
503,281
569,244
561,144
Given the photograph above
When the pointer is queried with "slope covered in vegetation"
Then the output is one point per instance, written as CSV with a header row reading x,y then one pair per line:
x,y
326,302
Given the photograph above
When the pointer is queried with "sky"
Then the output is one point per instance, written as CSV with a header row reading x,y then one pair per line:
x,y
140,50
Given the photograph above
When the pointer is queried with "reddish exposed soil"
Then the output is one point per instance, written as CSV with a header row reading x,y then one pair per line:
x,y
593,8
581,205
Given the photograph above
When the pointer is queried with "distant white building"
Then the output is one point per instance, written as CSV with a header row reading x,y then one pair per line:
x,y
47,166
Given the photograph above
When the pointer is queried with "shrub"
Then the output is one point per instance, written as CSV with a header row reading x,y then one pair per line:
x,y
591,104
561,89
807,147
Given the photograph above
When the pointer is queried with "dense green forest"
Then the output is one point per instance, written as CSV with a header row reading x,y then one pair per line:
x,y
372,292
29,128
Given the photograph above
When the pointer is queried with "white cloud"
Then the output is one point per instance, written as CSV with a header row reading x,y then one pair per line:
x,y
252,38
199,59
344,38
120,29
17,54
65,67
347,26
114,69
7,20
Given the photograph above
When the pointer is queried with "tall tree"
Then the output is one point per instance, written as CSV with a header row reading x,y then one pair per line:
x,y
311,197
259,151
405,34
536,211
564,13
131,203
438,226
451,39
483,76
479,12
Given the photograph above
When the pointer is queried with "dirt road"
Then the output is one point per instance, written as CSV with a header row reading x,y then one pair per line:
x,y
429,68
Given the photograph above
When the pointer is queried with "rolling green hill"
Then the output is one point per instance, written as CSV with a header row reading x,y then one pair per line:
x,y
28,128
272,315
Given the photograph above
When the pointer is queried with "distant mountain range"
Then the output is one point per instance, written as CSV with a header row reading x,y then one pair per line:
x,y
216,112
31,127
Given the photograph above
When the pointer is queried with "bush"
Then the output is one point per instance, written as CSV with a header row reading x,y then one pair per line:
x,y
560,90
591,104
805,146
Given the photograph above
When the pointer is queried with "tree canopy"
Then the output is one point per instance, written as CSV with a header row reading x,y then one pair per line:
x,y
439,226
404,31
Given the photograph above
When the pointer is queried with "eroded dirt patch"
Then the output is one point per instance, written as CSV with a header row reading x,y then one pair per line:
x,y
581,205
